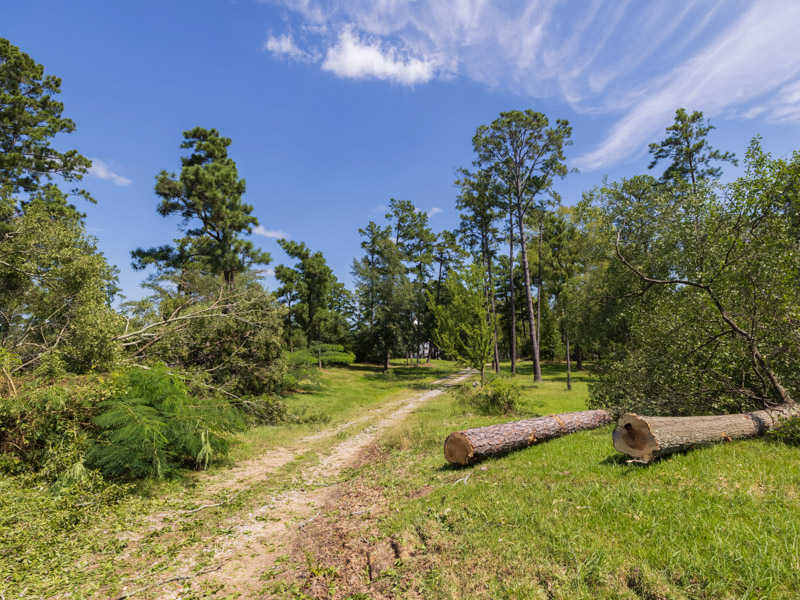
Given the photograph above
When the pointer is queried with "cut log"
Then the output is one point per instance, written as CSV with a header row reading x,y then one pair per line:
x,y
646,438
471,445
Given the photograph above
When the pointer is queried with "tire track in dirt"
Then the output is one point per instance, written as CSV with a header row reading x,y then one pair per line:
x,y
265,529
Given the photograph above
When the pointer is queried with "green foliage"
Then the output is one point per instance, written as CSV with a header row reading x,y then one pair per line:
x,y
713,300
151,426
264,410
318,304
465,326
788,432
31,117
46,430
500,396
226,339
208,194
385,296
688,149
56,289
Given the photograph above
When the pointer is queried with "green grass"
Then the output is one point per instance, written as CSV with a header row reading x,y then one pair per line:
x,y
57,541
570,519
345,394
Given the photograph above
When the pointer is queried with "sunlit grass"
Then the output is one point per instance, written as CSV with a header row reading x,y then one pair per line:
x,y
569,518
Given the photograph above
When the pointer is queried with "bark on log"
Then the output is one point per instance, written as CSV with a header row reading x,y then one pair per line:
x,y
646,438
471,445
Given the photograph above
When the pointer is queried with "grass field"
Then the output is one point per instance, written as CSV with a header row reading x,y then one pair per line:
x,y
571,519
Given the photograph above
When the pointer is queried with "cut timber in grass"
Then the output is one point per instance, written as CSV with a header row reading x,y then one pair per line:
x,y
646,438
469,446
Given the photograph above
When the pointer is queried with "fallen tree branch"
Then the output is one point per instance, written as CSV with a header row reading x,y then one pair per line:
x,y
223,503
302,526
170,580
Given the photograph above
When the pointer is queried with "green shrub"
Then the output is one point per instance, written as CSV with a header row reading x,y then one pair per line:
x,y
47,430
151,426
500,396
787,432
503,395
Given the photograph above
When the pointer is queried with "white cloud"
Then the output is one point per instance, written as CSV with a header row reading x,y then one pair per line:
x,y
103,170
434,211
636,60
355,58
284,45
269,272
270,233
739,65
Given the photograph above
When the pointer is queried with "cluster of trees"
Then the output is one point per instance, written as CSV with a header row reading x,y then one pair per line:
x,y
683,291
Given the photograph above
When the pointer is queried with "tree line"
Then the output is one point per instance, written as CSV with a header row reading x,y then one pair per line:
x,y
681,290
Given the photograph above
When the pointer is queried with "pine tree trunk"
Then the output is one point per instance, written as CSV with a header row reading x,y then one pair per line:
x,y
469,446
537,368
511,286
569,370
539,291
494,317
646,438
578,358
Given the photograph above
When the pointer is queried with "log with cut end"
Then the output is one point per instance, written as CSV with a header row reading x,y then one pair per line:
x,y
646,438
471,445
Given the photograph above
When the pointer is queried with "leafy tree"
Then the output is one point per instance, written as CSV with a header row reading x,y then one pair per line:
x,y
718,274
477,204
448,255
524,153
384,294
417,243
566,248
319,310
688,150
463,330
30,117
208,194
55,289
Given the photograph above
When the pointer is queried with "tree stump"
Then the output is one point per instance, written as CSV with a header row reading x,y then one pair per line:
x,y
471,445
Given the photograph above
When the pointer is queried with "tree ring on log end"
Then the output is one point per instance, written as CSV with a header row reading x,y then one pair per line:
x,y
633,437
458,449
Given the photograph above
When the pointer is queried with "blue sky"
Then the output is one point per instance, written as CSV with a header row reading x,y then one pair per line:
x,y
336,107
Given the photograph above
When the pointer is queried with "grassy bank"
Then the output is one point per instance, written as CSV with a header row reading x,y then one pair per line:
x,y
57,542
571,519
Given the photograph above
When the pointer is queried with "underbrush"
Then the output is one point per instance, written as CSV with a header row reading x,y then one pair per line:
x,y
136,423
501,396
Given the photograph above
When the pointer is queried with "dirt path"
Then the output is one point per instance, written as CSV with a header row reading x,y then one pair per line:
x,y
266,526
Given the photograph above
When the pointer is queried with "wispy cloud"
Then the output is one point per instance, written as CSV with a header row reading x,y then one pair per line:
x,y
103,170
354,57
284,45
270,233
738,67
638,61
434,211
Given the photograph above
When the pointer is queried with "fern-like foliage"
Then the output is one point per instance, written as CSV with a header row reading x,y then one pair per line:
x,y
151,426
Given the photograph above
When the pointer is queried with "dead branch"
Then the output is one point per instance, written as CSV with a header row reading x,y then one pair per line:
x,y
170,580
223,503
